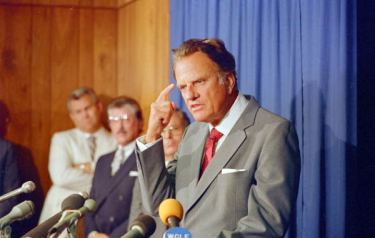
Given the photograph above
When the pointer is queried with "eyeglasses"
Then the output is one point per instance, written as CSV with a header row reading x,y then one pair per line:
x,y
118,118
174,131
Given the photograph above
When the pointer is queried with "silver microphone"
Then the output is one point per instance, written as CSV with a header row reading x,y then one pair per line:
x,y
26,187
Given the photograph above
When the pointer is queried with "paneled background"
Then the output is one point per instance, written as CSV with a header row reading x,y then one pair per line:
x,y
49,47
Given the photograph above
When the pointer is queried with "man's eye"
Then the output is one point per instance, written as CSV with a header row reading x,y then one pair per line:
x,y
199,82
181,87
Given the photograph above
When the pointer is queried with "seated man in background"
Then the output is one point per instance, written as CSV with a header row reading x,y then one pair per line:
x,y
9,176
73,153
116,172
172,135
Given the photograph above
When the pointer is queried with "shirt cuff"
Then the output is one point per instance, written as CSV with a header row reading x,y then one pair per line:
x,y
141,143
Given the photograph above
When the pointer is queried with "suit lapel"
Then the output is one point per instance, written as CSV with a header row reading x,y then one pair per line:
x,y
188,164
232,142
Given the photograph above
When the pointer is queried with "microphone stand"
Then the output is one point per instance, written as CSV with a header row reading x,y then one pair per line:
x,y
6,232
72,229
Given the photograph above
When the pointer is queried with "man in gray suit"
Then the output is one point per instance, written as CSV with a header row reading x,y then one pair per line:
x,y
238,165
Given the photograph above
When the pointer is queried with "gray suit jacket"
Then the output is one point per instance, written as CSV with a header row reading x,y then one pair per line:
x,y
249,188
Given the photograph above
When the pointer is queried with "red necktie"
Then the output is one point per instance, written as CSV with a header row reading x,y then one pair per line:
x,y
209,148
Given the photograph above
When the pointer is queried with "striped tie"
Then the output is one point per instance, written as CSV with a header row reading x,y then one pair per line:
x,y
91,140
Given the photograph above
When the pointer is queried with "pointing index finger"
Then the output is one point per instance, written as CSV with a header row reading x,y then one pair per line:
x,y
164,95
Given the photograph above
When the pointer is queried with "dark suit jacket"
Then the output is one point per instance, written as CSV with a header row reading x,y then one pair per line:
x,y
113,196
247,190
9,176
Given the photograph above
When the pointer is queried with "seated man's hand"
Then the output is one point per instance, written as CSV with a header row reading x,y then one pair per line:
x,y
85,167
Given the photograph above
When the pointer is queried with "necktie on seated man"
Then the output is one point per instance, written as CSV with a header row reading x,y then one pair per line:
x,y
91,140
118,160
210,147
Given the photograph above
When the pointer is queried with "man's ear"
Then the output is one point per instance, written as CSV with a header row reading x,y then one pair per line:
x,y
230,82
140,127
100,106
71,116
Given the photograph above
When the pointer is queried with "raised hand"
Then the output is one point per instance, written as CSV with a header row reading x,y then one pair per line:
x,y
160,114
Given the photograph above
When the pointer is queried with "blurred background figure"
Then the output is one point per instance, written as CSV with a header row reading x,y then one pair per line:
x,y
74,152
116,172
9,176
171,135
16,167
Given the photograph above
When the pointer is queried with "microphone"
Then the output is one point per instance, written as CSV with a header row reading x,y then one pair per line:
x,y
171,212
74,201
143,226
26,187
19,212
74,215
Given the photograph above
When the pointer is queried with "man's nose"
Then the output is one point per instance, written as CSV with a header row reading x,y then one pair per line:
x,y
85,113
167,134
122,124
190,93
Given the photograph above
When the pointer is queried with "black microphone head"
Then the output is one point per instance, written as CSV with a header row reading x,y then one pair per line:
x,y
73,201
146,223
28,187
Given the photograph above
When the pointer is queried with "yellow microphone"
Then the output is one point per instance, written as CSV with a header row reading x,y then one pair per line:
x,y
171,212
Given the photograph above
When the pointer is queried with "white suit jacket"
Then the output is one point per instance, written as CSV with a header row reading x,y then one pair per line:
x,y
68,148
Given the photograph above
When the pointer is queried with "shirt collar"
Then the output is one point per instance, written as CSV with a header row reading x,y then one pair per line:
x,y
96,133
129,148
232,116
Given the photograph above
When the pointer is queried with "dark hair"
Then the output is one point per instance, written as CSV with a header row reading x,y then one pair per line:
x,y
121,101
184,116
214,48
76,94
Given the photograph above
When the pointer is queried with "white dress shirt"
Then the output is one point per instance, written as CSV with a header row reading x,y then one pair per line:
x,y
121,155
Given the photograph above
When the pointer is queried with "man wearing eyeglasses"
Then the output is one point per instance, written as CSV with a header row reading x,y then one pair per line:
x,y
115,173
172,134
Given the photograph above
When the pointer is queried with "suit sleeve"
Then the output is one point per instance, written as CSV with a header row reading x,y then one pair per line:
x,y
154,180
60,166
272,196
9,176
89,222
136,206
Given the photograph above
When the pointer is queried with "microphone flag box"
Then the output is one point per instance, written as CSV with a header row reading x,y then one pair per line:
x,y
177,232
